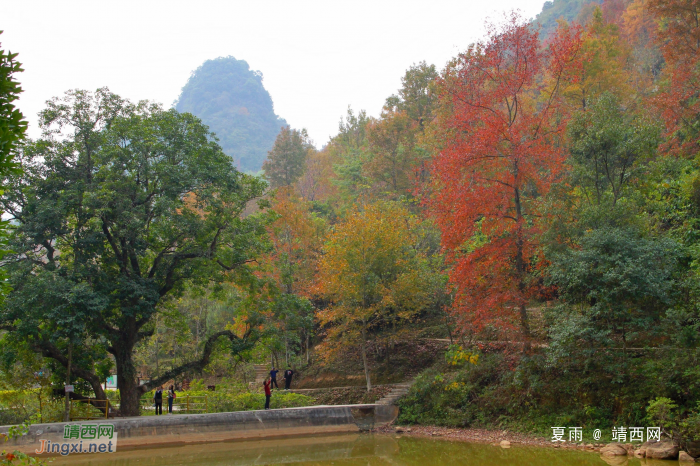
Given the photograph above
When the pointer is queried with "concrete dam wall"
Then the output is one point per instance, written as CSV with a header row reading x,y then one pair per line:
x,y
136,432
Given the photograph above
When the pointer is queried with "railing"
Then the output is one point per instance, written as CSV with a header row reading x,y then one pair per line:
x,y
191,404
88,409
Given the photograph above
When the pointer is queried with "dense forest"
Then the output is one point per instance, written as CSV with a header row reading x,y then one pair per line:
x,y
517,232
231,100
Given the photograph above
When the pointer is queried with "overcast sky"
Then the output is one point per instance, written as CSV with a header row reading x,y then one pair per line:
x,y
317,57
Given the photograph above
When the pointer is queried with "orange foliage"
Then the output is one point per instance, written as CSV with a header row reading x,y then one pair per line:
x,y
678,35
297,238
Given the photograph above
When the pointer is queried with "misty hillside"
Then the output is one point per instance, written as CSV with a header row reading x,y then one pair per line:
x,y
568,10
230,98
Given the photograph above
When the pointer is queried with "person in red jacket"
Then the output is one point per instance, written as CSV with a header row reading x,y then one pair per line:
x,y
268,392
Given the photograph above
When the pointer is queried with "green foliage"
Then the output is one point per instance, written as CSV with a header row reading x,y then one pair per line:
x,y
256,401
683,427
555,10
232,396
609,145
12,122
416,97
18,406
457,356
619,281
230,99
287,159
17,457
121,206
12,131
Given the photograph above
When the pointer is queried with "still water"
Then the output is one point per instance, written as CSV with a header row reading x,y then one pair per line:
x,y
348,450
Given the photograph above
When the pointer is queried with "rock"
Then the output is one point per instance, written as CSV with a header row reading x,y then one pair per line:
x,y
613,449
590,446
615,460
640,453
684,457
505,444
408,430
663,450
398,429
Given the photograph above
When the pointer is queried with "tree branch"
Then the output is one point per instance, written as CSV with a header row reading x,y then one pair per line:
x,y
200,364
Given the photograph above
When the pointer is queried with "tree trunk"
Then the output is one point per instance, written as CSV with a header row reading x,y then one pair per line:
x,y
520,268
127,384
363,347
66,414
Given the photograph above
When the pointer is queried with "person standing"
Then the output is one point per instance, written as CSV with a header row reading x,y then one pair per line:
x,y
268,392
288,378
158,400
171,398
273,378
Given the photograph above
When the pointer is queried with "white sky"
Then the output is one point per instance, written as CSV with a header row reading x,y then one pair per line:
x,y
317,57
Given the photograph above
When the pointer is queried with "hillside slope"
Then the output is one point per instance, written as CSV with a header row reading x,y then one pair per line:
x,y
230,98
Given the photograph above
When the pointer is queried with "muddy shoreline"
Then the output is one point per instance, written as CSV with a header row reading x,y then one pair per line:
x,y
493,437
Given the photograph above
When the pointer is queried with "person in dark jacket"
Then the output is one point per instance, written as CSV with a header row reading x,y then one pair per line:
x,y
158,400
268,392
171,398
273,378
288,378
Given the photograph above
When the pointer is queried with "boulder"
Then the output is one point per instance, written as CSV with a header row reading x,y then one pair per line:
x,y
615,460
505,444
684,457
663,450
613,449
640,453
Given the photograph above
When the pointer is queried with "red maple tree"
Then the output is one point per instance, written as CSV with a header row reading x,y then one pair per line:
x,y
501,129
678,36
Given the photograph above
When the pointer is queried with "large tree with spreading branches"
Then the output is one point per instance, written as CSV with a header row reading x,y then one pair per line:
x,y
120,207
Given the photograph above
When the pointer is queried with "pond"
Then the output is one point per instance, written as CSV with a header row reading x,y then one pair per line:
x,y
349,450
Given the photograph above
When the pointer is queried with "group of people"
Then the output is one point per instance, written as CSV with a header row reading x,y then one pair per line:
x,y
158,399
267,384
272,380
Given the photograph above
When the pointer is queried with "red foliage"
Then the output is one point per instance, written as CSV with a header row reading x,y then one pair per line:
x,y
678,36
501,152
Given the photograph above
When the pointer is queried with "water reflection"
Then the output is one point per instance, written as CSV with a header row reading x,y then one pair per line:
x,y
344,450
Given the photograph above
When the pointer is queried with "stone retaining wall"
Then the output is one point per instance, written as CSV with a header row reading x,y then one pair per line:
x,y
143,431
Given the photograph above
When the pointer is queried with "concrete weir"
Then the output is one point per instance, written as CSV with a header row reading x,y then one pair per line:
x,y
136,432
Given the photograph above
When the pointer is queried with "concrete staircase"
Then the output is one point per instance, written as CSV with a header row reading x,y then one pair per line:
x,y
262,371
397,392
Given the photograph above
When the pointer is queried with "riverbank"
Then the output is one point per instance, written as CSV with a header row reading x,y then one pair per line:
x,y
486,436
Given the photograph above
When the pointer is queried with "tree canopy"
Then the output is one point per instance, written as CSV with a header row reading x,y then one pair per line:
x,y
119,206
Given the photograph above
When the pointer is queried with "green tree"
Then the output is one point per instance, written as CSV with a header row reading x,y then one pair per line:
x,y
608,145
12,129
12,122
286,161
415,98
620,283
122,206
